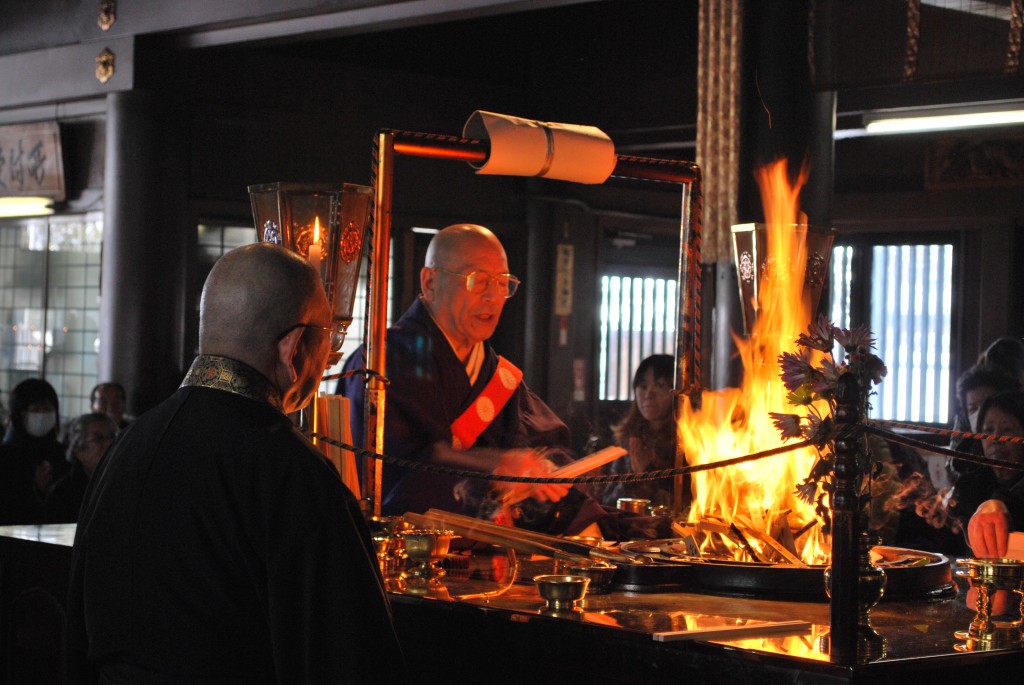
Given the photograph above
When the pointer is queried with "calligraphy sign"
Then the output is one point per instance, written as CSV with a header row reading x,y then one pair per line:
x,y
31,161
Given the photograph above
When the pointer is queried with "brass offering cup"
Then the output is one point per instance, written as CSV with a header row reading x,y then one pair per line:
x,y
600,574
426,547
633,505
390,548
561,592
990,577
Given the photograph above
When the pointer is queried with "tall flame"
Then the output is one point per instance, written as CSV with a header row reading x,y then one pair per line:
x,y
760,494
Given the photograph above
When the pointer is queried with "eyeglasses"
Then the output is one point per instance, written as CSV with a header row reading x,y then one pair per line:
x,y
335,330
479,281
95,437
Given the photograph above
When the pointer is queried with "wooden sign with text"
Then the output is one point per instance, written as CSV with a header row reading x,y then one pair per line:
x,y
30,161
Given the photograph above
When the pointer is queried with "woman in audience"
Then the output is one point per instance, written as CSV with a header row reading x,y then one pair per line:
x,y
1003,509
31,457
649,434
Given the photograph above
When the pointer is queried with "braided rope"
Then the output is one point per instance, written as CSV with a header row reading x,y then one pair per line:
x,y
1012,439
579,480
921,444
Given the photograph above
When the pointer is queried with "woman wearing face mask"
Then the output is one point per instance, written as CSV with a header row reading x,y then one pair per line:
x,y
31,457
1003,510
971,481
975,487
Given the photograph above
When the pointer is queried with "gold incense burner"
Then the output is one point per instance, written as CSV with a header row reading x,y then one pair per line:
x,y
999,605
426,548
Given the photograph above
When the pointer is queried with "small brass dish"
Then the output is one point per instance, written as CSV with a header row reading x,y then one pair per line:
x,y
600,574
633,505
561,592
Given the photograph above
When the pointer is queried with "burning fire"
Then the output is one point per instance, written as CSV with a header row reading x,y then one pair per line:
x,y
759,497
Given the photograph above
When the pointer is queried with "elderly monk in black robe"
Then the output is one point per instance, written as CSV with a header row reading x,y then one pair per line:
x,y
452,400
216,543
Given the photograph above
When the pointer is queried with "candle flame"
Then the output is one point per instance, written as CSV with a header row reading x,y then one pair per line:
x,y
316,230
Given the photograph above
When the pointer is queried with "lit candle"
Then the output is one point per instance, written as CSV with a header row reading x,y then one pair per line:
x,y
314,247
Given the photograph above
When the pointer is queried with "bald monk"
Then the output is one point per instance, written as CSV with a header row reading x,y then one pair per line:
x,y
451,400
216,543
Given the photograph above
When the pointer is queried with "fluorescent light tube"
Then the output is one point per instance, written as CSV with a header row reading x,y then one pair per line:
x,y
1006,113
25,206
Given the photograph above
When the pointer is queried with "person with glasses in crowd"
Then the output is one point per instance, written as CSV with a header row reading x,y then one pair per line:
x,y
216,543
110,398
453,401
88,437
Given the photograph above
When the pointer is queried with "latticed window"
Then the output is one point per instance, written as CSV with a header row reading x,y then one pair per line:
x,y
49,304
904,292
638,319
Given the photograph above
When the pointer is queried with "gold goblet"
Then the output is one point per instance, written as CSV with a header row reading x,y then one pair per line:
x,y
426,547
991,578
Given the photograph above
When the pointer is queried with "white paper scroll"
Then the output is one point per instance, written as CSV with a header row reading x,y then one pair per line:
x,y
524,147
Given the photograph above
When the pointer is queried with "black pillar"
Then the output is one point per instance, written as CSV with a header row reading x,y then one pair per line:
x,y
145,242
783,116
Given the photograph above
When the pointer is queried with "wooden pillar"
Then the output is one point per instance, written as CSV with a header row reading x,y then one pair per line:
x,y
145,244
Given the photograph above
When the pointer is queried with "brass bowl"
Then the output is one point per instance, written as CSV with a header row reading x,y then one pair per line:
x,y
388,525
427,547
633,505
561,592
600,574
998,574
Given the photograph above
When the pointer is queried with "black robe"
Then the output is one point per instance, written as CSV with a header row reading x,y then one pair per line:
x,y
216,542
428,389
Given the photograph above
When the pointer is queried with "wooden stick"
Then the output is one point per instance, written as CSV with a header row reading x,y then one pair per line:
x,y
770,541
573,469
474,527
734,632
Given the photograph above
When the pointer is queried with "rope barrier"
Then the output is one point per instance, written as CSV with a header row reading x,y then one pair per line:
x,y
579,480
872,427
964,456
1012,439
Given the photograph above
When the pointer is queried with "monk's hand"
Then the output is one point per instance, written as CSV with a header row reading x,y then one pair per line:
x,y
530,463
989,530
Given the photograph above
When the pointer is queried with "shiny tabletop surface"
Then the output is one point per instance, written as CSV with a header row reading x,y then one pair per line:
x,y
53,533
905,629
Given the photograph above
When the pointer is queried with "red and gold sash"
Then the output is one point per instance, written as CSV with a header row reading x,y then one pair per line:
x,y
488,404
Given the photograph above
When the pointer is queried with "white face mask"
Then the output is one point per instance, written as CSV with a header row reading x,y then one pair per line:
x,y
39,423
973,420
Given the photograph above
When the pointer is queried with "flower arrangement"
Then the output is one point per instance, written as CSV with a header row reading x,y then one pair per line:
x,y
811,377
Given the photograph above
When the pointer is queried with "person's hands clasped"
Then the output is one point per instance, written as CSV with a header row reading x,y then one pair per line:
x,y
529,463
989,530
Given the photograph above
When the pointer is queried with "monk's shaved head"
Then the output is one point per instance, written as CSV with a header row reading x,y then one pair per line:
x,y
451,243
252,295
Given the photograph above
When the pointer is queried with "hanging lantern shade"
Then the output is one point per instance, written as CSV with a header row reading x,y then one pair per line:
x,y
326,224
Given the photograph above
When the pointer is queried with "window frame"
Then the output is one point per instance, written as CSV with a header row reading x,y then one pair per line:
x,y
863,242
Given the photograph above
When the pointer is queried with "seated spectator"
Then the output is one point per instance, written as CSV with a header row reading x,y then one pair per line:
x,y
109,398
648,432
974,386
1006,352
1002,510
31,457
88,438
